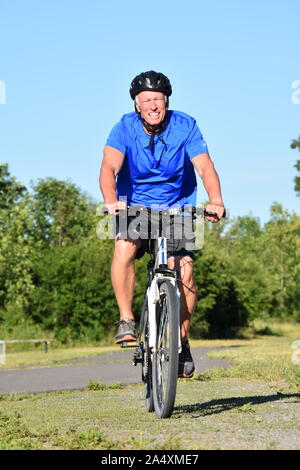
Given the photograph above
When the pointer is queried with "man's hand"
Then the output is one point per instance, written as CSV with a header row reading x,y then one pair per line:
x,y
219,209
115,207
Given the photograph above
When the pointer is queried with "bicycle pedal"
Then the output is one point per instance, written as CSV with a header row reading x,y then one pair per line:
x,y
127,344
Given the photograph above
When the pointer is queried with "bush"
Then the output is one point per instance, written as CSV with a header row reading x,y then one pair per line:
x,y
219,312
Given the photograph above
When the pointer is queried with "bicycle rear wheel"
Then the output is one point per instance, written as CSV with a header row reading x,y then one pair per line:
x,y
165,357
146,362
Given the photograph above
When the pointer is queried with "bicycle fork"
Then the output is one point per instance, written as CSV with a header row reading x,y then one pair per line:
x,y
160,275
153,299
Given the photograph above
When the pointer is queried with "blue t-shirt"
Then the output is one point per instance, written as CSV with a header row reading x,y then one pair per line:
x,y
164,175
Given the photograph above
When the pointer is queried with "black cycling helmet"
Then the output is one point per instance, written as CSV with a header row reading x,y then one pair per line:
x,y
150,81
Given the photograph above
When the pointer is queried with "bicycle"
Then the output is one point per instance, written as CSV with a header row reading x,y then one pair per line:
x,y
159,340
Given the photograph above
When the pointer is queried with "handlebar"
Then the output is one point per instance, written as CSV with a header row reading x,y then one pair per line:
x,y
195,211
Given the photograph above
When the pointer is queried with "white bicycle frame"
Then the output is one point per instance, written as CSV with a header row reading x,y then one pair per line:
x,y
153,292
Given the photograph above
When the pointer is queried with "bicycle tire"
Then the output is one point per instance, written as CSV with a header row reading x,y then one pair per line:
x,y
146,362
165,357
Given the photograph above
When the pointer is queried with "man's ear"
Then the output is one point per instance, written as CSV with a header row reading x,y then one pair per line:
x,y
136,106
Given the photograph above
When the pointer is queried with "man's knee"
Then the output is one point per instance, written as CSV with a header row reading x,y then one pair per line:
x,y
125,250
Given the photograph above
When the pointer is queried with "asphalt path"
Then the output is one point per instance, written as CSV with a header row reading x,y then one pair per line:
x,y
76,374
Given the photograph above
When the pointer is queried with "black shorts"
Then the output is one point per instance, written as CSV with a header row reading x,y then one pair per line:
x,y
178,229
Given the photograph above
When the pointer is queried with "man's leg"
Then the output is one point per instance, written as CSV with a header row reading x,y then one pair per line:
x,y
123,281
188,290
184,266
123,275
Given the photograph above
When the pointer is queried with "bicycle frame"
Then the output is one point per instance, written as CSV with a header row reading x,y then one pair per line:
x,y
161,272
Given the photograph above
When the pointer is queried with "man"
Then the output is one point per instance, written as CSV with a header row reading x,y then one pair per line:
x,y
150,157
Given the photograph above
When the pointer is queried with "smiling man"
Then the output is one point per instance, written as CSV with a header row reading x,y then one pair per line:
x,y
150,159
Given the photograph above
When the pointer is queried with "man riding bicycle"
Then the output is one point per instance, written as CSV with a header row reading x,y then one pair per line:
x,y
150,159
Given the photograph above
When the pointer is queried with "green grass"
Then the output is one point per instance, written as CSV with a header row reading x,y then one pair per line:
x,y
207,415
252,405
96,384
267,357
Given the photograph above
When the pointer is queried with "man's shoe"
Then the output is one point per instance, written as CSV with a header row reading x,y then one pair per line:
x,y
126,331
186,366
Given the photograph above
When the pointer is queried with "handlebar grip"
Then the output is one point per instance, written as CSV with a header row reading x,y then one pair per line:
x,y
105,211
210,214
214,214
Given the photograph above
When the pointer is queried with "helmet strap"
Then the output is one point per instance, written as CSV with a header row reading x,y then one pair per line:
x,y
155,130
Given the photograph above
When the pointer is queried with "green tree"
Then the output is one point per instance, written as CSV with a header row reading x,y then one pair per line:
x,y
296,144
15,241
220,311
244,247
16,256
11,191
73,295
62,213
281,256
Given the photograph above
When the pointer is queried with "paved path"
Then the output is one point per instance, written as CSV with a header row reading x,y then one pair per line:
x,y
108,368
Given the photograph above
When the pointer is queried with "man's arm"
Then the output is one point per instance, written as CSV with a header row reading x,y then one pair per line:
x,y
111,164
206,170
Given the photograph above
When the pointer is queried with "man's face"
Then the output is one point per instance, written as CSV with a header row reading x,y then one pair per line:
x,y
152,106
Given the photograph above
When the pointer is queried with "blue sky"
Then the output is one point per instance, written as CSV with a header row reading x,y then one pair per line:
x,y
67,66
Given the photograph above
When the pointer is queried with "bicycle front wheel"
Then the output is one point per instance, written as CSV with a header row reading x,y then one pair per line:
x,y
165,357
147,363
